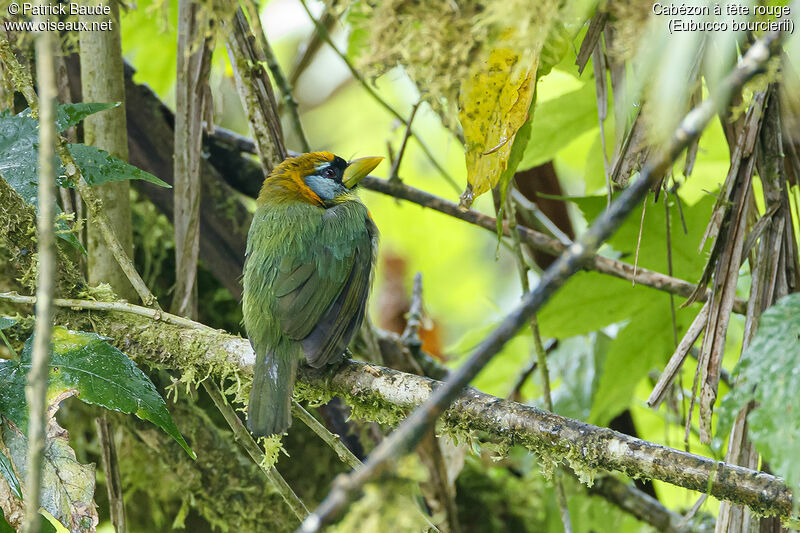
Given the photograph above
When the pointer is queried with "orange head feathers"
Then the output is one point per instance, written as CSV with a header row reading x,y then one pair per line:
x,y
319,178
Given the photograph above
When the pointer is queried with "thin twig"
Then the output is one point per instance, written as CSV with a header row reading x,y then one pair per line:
x,y
118,306
329,438
46,280
410,336
539,241
244,437
24,84
277,74
323,31
406,135
406,437
541,353
116,503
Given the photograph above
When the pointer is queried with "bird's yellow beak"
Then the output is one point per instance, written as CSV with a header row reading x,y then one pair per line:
x,y
357,169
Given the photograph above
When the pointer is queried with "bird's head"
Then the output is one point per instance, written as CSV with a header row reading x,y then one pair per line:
x,y
320,178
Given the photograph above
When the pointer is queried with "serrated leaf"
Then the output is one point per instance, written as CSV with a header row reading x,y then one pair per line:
x,y
67,485
493,106
7,471
768,374
100,373
99,167
69,115
19,163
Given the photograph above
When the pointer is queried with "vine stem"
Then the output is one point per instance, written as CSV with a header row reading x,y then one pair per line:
x,y
46,281
541,353
252,448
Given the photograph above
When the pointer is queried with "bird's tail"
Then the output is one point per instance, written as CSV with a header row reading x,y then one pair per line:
x,y
269,411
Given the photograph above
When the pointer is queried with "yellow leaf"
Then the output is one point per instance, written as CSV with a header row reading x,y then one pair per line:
x,y
493,105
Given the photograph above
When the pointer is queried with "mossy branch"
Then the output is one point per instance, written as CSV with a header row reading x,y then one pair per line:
x,y
387,394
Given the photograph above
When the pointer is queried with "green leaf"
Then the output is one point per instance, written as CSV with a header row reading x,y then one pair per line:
x,y
558,122
19,163
5,527
6,322
69,115
590,301
99,167
645,343
768,374
101,375
7,472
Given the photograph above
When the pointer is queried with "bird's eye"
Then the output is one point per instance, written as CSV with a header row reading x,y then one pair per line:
x,y
329,173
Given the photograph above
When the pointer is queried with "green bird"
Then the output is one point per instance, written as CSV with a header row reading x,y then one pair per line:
x,y
307,274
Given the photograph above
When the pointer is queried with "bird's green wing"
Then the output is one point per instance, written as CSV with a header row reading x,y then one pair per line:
x,y
321,294
340,321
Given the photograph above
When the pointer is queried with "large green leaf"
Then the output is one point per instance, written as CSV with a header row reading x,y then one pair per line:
x,y
7,471
19,140
645,343
99,167
558,122
768,374
100,373
6,322
687,262
590,301
68,115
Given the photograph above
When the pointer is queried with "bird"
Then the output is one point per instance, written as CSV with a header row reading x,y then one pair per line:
x,y
308,269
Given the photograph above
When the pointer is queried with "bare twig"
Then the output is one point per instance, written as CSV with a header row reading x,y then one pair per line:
x,y
277,74
329,438
323,31
244,438
116,503
541,354
410,336
118,306
407,436
192,102
406,135
539,241
46,274
639,504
